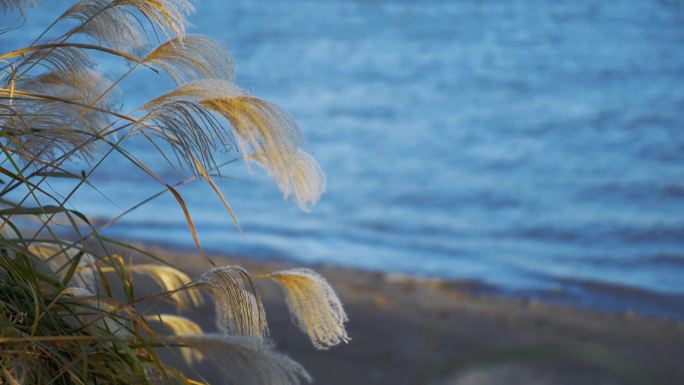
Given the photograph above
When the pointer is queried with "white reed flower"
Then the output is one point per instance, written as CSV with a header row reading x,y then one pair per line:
x,y
238,307
314,306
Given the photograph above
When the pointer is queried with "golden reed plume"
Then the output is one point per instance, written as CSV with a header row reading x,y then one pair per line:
x,y
314,306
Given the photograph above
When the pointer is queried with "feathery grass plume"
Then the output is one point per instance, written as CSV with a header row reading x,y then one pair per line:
x,y
52,127
196,92
116,24
193,132
109,25
258,126
36,134
246,361
171,280
180,326
193,57
269,136
263,132
74,84
166,15
314,306
56,59
303,178
239,309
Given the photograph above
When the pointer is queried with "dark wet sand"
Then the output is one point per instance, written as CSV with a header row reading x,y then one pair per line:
x,y
407,331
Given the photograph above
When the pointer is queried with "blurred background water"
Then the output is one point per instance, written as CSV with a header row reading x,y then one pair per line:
x,y
533,146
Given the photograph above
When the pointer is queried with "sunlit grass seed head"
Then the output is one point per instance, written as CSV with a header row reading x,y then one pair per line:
x,y
296,173
49,128
117,23
239,310
264,133
314,306
193,57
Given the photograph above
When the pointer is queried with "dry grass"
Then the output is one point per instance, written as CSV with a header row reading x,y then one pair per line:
x,y
69,311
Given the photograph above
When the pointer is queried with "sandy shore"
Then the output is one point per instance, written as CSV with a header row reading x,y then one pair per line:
x,y
408,331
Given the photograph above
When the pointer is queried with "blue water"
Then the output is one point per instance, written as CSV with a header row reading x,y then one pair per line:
x,y
530,145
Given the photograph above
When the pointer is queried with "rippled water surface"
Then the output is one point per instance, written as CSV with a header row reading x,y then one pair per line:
x,y
529,145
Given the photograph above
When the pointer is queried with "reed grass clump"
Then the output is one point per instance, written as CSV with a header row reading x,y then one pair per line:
x,y
69,309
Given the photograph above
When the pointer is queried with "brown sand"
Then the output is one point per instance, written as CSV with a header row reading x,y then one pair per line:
x,y
407,331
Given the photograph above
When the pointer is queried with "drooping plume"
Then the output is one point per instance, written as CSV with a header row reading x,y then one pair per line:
x,y
57,60
239,310
59,119
194,57
246,361
194,133
196,92
263,133
302,178
314,306
111,26
116,23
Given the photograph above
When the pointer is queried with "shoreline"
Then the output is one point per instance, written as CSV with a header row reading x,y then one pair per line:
x,y
428,331
584,294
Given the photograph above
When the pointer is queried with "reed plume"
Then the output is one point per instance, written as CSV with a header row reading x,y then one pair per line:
x,y
118,23
314,306
302,177
193,57
56,59
263,132
49,126
238,306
